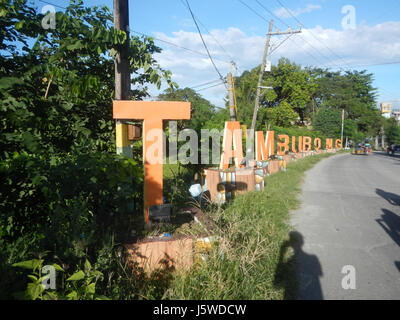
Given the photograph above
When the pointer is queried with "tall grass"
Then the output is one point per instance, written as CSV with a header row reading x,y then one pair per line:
x,y
247,262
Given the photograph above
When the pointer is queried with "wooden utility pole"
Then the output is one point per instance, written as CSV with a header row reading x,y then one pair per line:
x,y
341,136
231,95
253,122
122,74
262,69
122,66
232,113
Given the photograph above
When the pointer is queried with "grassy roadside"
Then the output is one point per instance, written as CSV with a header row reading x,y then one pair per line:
x,y
252,259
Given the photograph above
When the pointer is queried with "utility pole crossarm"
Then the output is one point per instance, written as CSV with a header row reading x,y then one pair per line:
x,y
279,33
259,87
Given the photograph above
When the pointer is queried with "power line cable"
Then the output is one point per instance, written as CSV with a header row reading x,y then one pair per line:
x,y
252,10
316,49
375,64
206,83
215,85
282,42
205,46
272,14
217,42
176,45
312,34
52,4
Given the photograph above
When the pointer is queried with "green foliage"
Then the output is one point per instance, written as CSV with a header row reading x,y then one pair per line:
x,y
282,115
79,286
351,91
70,206
203,116
392,131
201,109
328,121
63,190
56,97
307,91
292,85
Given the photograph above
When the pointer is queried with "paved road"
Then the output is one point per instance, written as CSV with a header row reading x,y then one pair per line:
x,y
350,215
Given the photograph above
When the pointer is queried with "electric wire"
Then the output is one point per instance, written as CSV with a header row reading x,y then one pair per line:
x,y
52,4
215,85
205,46
205,28
206,83
312,34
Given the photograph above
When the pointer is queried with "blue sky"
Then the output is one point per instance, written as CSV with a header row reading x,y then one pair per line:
x,y
241,33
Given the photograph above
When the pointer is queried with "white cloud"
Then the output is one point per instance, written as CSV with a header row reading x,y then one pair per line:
x,y
283,13
364,45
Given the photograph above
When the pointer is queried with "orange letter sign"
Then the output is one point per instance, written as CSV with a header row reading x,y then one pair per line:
x,y
317,144
264,149
283,145
306,143
232,133
328,144
152,114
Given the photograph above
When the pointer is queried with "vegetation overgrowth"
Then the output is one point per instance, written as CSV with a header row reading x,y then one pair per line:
x,y
66,198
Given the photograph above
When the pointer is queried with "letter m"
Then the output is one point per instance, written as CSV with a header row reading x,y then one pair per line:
x,y
264,148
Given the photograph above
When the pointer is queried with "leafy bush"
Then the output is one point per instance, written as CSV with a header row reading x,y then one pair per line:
x,y
69,206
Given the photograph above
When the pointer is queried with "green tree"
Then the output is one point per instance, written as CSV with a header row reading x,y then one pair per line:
x,y
56,95
351,91
328,121
282,115
201,109
63,189
292,85
392,131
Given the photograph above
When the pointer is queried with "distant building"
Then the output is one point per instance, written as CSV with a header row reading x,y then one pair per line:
x,y
386,109
396,115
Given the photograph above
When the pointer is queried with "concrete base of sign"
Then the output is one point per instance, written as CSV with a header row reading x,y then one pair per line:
x,y
224,184
153,255
176,254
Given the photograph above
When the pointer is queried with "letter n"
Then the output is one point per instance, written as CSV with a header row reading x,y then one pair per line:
x,y
328,144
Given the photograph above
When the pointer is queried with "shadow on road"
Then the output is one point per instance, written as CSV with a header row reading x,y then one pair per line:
x,y
385,154
300,274
390,222
392,198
